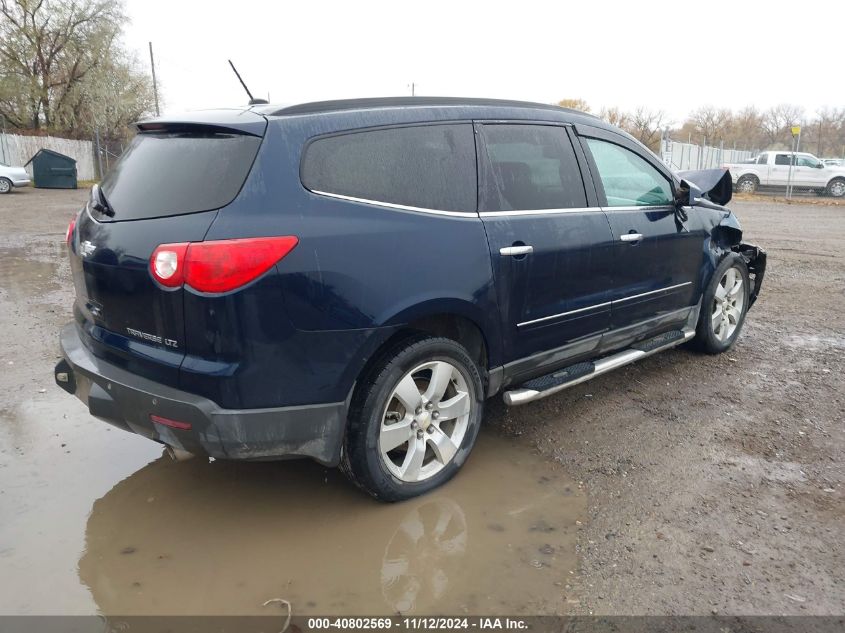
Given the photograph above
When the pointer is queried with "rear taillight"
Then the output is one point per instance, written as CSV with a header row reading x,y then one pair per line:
x,y
167,264
70,227
220,265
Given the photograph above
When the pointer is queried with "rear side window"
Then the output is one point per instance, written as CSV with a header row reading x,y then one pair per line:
x,y
531,167
628,179
426,166
782,159
163,174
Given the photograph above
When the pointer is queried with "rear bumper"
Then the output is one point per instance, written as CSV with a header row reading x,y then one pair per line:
x,y
21,183
128,401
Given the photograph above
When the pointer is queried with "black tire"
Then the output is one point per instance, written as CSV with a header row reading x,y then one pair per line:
x,y
362,459
5,185
747,184
836,188
706,338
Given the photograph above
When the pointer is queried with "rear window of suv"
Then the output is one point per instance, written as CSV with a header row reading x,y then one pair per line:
x,y
172,173
423,166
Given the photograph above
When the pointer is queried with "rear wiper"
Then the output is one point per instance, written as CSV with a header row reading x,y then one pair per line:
x,y
100,203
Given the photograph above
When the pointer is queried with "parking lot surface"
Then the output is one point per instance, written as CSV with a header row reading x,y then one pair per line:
x,y
685,484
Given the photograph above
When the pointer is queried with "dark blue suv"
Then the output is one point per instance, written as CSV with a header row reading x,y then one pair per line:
x,y
350,280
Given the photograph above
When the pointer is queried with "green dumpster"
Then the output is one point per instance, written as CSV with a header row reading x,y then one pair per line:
x,y
51,170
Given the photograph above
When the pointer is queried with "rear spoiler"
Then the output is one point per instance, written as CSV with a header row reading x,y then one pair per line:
x,y
716,185
222,121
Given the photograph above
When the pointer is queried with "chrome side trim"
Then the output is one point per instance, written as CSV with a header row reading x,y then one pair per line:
x,y
504,214
605,304
625,357
563,314
654,292
400,207
651,207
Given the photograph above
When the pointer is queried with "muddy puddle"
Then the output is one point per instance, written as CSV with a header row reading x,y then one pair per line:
x,y
94,520
21,274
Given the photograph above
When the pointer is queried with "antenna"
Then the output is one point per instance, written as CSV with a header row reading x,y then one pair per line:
x,y
252,100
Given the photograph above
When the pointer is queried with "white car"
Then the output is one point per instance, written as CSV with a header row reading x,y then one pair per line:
x,y
12,177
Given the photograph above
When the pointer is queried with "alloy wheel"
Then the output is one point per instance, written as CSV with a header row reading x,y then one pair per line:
x,y
425,421
4,185
728,304
746,186
837,189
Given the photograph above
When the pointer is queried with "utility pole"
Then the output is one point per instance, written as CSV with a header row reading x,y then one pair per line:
x,y
796,145
3,141
99,152
413,88
155,85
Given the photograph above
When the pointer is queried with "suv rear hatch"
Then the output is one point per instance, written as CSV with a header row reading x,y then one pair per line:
x,y
166,188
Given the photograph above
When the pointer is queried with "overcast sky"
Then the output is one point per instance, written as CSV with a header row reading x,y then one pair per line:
x,y
673,56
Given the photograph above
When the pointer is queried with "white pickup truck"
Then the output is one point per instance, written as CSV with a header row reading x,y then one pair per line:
x,y
771,169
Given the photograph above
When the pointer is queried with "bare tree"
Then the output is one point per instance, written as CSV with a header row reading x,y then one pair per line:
x,y
825,135
614,116
574,104
777,121
646,126
746,129
711,123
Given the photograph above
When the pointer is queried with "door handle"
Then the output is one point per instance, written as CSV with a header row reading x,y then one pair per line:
x,y
631,237
516,251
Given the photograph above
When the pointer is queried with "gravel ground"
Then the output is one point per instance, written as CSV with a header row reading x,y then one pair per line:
x,y
714,483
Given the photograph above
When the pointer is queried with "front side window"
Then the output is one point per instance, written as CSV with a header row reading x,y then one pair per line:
x,y
531,167
627,178
807,161
425,166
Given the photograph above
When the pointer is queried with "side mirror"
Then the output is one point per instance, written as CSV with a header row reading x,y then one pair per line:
x,y
688,194
820,166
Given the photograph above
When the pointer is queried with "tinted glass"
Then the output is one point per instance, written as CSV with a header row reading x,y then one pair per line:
x,y
174,173
428,166
781,159
806,161
531,167
628,179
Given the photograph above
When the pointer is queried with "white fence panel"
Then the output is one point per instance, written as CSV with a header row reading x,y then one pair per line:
x,y
17,150
680,156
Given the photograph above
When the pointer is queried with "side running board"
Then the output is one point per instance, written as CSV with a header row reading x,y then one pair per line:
x,y
581,372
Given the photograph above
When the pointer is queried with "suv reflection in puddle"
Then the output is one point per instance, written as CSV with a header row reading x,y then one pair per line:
x,y
222,538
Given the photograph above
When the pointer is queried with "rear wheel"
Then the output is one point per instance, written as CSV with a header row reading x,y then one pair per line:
x,y
414,419
747,184
723,306
5,185
836,187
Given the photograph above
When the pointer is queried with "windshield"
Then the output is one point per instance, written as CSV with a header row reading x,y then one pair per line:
x,y
173,173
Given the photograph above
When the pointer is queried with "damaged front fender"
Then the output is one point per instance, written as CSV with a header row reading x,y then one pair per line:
x,y
726,237
755,259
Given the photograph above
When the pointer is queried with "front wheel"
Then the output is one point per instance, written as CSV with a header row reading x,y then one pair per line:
x,y
723,306
414,419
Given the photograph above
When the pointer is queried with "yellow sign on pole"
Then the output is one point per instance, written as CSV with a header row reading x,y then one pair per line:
x,y
796,130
